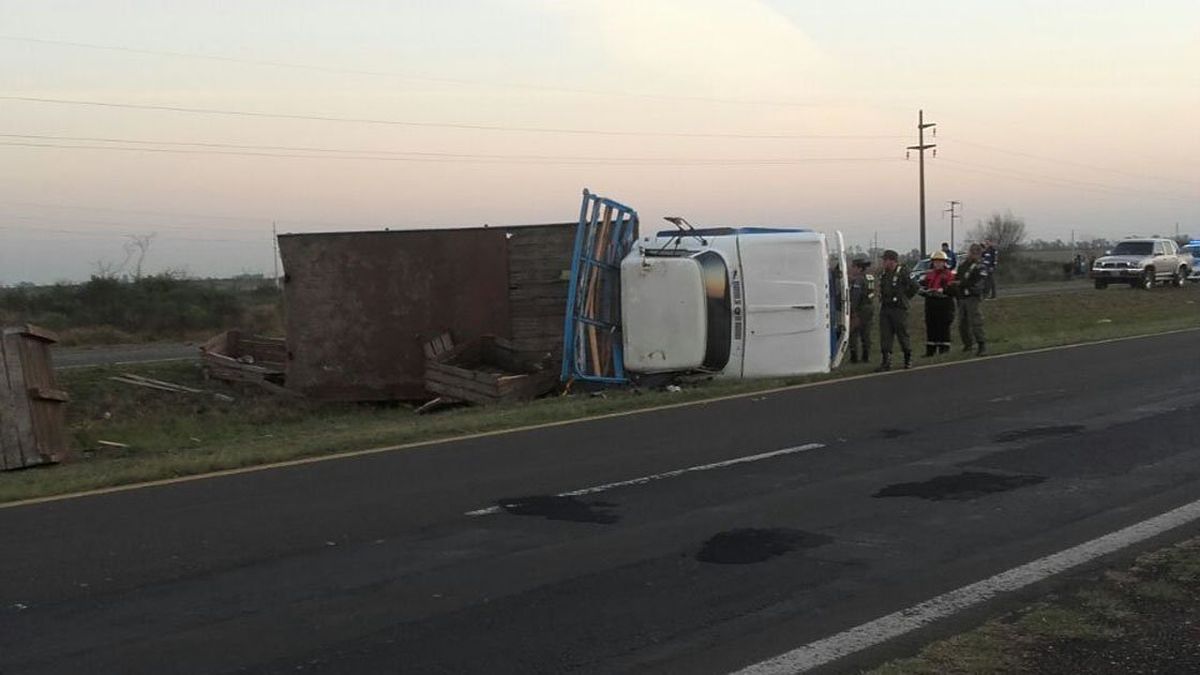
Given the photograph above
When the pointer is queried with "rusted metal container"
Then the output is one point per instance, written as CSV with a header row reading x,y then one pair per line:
x,y
32,418
361,305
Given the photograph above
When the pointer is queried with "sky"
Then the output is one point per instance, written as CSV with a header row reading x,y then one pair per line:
x,y
205,124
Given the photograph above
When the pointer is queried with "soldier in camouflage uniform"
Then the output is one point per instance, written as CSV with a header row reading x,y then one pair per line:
x,y
970,284
862,310
896,288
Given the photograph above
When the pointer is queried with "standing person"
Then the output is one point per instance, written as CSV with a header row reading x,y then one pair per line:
x,y
862,309
951,256
896,288
939,304
969,284
991,256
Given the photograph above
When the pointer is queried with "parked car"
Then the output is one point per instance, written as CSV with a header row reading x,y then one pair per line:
x,y
1142,263
918,271
1193,249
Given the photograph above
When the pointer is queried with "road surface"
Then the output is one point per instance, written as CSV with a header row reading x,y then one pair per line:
x,y
701,539
108,355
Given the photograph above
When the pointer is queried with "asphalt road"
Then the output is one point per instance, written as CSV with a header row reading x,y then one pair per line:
x,y
894,489
108,355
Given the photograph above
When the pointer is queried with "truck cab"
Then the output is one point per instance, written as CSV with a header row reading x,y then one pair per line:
x,y
735,302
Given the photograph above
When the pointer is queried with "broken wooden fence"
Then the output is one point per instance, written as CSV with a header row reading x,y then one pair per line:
x,y
32,418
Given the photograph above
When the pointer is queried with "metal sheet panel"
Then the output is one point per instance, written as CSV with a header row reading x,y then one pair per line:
x,y
361,304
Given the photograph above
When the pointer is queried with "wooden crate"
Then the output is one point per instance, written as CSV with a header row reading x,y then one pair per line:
x,y
32,416
484,371
236,357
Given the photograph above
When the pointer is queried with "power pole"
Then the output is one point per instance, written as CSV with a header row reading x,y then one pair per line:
x,y
275,252
953,211
921,147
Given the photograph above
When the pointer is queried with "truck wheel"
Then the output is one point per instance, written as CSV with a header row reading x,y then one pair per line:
x,y
1147,281
1180,276
1101,284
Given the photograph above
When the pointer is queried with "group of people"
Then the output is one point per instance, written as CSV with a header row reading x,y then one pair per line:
x,y
949,289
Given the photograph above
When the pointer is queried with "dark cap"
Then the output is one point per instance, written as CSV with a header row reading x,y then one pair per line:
x,y
861,262
890,255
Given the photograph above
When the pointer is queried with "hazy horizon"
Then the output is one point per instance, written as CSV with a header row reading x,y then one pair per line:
x,y
1077,117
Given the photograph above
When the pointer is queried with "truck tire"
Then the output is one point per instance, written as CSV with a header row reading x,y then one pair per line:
x,y
1147,280
1181,276
1101,284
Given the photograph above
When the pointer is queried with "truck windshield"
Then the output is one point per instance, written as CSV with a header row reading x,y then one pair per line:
x,y
1134,248
716,293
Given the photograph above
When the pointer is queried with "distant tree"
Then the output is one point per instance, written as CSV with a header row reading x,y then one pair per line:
x,y
1005,230
136,249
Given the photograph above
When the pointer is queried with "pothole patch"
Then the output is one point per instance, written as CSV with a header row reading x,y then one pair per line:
x,y
552,507
1038,432
746,546
960,487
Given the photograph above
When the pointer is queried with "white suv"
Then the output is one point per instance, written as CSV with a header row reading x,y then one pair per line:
x,y
1141,263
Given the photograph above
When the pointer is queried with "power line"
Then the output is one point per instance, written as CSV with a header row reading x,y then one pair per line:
x,y
360,152
1066,162
104,235
403,76
1067,182
615,161
436,125
177,214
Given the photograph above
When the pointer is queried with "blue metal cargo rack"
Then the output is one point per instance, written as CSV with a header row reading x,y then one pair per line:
x,y
592,350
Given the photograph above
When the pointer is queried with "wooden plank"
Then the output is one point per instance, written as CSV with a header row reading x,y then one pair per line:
x,y
478,388
47,394
22,419
39,333
459,393
10,445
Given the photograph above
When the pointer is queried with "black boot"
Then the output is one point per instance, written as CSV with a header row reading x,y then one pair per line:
x,y
907,360
853,356
930,350
866,356
982,351
885,365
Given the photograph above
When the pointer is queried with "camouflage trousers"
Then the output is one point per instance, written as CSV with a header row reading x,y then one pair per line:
x,y
860,334
970,321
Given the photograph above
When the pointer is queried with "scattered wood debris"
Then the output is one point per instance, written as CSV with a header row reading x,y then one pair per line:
x,y
161,385
253,359
483,371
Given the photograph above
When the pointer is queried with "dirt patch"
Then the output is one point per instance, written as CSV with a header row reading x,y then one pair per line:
x,y
1038,432
553,507
745,546
961,487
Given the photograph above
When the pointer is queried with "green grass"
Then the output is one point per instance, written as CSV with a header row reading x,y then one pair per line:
x,y
171,435
1104,612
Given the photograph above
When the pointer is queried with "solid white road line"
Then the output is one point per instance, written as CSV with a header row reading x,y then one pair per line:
x,y
491,510
893,625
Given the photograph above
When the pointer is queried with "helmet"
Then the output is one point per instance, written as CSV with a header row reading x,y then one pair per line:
x,y
938,255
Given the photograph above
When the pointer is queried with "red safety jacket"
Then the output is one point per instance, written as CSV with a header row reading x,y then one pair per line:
x,y
938,279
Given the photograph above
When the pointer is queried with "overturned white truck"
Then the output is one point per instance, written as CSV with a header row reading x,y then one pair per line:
x,y
737,302
734,302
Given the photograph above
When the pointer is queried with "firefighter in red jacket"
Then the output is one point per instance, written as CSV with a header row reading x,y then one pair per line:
x,y
939,304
